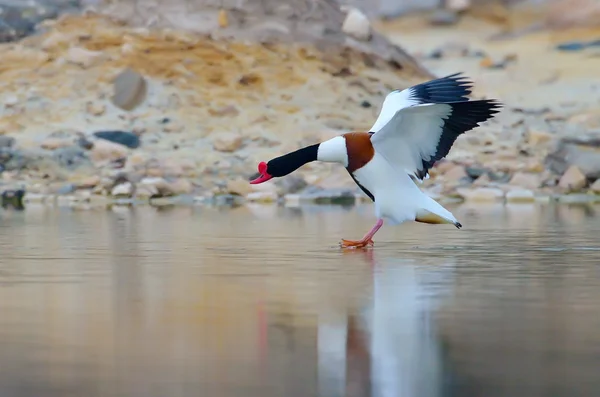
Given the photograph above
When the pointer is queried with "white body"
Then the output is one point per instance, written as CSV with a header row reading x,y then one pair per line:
x,y
397,198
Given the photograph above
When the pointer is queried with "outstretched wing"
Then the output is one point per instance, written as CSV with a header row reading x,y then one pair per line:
x,y
452,88
419,125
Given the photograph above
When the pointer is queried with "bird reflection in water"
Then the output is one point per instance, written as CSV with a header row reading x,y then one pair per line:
x,y
390,348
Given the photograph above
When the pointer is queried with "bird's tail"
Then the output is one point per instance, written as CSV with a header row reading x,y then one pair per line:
x,y
433,213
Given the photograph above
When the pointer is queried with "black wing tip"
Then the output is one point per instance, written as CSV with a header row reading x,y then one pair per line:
x,y
451,88
458,225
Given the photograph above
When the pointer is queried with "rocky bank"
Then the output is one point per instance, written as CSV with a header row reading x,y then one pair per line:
x,y
95,110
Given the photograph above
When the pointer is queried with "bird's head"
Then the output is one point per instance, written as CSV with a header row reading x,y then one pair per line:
x,y
264,174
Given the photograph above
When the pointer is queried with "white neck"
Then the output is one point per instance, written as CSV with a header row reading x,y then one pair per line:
x,y
333,151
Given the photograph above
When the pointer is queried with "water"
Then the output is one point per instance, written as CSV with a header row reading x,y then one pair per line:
x,y
259,301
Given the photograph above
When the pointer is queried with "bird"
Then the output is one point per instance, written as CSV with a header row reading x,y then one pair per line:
x,y
416,127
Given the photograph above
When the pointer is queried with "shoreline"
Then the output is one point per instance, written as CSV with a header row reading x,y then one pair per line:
x,y
290,201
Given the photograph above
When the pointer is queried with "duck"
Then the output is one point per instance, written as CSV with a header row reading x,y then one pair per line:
x,y
416,127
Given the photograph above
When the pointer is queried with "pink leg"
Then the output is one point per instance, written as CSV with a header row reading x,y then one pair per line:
x,y
367,240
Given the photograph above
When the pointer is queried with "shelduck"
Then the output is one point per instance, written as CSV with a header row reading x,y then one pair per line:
x,y
416,127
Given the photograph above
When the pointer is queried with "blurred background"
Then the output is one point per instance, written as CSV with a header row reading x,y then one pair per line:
x,y
137,260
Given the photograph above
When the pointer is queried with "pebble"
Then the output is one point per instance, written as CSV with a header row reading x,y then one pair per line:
x,y
129,89
240,187
121,137
520,195
357,25
481,194
122,190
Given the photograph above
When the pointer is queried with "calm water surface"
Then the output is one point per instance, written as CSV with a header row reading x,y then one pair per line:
x,y
260,301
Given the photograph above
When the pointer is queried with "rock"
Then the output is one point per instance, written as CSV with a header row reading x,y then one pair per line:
x,y
179,186
160,187
357,25
122,190
535,137
573,179
95,109
576,45
520,195
585,156
227,142
481,194
595,188
146,190
262,197
106,151
121,137
526,180
130,90
444,17
458,5
239,187
7,141
83,57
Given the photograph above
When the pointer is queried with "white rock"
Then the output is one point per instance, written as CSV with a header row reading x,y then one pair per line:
x,y
520,195
458,5
595,186
357,25
123,189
